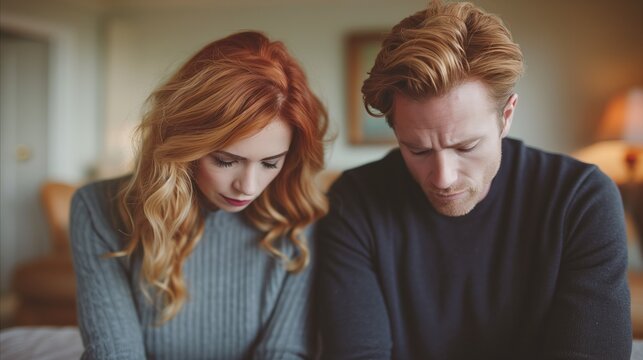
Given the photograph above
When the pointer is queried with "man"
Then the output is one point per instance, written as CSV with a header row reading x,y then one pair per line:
x,y
462,243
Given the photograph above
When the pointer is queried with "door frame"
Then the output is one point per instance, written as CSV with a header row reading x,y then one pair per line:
x,y
60,119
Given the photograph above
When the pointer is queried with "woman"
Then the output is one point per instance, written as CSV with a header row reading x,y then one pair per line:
x,y
201,252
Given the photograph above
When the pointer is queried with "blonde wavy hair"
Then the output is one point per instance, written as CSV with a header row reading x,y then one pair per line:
x,y
229,90
434,50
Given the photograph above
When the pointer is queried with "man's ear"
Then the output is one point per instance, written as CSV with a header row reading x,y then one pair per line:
x,y
508,114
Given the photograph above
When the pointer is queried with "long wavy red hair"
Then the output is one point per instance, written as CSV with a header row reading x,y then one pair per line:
x,y
229,90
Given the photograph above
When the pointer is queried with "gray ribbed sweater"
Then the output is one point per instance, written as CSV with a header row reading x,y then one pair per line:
x,y
242,303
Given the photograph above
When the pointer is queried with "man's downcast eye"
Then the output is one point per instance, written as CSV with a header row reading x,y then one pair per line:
x,y
468,148
420,152
464,149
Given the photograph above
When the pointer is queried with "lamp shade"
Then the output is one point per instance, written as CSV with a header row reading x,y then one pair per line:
x,y
608,156
623,118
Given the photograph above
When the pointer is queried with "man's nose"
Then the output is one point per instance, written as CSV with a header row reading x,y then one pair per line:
x,y
444,172
246,182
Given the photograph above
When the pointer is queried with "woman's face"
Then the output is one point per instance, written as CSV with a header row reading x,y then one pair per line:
x,y
232,177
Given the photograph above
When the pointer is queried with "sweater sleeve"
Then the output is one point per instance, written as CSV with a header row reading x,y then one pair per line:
x,y
590,314
108,319
353,315
289,333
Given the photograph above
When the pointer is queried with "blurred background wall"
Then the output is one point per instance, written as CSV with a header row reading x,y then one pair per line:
x,y
105,56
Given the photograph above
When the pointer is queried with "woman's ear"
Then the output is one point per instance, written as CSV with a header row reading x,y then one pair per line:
x,y
508,114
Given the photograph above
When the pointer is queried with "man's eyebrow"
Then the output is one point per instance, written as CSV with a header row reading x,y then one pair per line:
x,y
466,142
240,158
407,144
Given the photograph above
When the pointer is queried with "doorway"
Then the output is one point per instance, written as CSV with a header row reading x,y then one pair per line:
x,y
24,84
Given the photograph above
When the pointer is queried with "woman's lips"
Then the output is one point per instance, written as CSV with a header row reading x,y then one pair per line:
x,y
235,202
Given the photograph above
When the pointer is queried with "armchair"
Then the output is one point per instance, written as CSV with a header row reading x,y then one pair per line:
x,y
46,287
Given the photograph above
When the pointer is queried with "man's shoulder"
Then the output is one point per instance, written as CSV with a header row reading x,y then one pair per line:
x,y
375,185
373,175
532,161
559,175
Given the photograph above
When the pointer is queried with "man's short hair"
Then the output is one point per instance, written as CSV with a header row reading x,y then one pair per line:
x,y
434,50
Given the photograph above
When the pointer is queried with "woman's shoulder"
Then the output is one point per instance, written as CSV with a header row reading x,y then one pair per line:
x,y
103,192
99,201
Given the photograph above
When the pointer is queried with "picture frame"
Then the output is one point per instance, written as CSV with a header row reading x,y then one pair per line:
x,y
363,129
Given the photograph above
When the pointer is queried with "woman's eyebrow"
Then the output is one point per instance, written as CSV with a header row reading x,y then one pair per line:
x,y
275,156
230,155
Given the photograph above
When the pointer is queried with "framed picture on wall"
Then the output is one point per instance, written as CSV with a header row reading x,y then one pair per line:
x,y
363,129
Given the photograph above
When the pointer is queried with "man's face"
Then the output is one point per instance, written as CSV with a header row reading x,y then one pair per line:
x,y
452,144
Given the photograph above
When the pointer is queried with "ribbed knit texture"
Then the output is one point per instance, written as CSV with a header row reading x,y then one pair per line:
x,y
242,303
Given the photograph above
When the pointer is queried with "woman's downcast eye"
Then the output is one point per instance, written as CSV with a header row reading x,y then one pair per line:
x,y
269,165
222,163
219,162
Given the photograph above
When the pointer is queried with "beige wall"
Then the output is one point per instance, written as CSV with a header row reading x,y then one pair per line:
x,y
137,58
578,52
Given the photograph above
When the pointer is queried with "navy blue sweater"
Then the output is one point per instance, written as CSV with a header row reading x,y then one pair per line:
x,y
536,270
